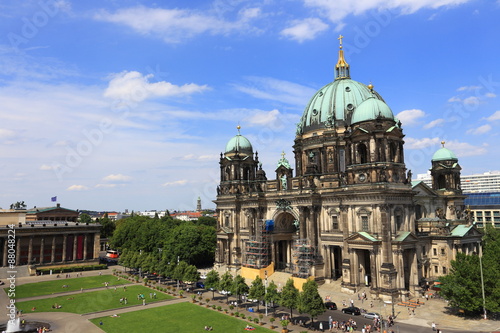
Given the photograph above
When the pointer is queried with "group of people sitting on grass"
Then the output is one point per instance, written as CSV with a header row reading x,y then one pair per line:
x,y
56,306
249,328
209,328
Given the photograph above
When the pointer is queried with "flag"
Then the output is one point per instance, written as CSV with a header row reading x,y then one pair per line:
x,y
53,199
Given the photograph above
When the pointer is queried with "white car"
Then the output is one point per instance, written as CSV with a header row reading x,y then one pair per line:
x,y
371,315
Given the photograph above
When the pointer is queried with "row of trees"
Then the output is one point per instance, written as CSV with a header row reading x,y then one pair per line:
x,y
152,243
462,287
306,301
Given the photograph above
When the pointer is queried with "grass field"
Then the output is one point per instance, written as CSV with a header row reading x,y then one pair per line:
x,y
176,318
73,284
92,301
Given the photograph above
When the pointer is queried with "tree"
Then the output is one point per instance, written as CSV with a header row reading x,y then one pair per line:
x,y
289,296
191,274
107,226
272,296
257,291
179,271
239,286
85,218
310,301
212,281
462,286
225,284
207,220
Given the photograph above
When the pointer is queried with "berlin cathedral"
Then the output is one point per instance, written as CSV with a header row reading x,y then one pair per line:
x,y
350,210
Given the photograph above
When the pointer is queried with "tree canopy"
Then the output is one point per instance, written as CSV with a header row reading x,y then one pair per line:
x,y
289,296
462,286
310,301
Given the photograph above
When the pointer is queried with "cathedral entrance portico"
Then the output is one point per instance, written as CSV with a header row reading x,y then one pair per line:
x,y
282,240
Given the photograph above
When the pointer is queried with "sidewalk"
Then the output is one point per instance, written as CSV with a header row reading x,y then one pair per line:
x,y
434,310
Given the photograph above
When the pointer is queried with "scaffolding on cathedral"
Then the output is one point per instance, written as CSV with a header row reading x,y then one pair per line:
x,y
303,255
258,248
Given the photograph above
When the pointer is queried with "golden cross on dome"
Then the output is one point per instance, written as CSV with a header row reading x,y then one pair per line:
x,y
283,154
340,39
443,142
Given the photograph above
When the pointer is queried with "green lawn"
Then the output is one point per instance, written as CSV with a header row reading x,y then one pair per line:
x,y
56,286
92,301
175,318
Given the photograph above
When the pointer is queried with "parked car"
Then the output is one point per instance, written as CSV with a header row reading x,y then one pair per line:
x,y
352,310
331,306
200,285
371,315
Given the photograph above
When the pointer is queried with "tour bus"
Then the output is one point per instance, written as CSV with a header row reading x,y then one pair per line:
x,y
112,254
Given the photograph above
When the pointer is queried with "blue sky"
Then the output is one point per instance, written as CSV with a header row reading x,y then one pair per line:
x,y
113,105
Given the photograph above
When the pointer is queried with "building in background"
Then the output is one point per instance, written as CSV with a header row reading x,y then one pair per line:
x,y
49,236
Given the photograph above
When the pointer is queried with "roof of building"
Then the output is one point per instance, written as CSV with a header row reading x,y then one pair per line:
x,y
35,210
461,230
444,154
367,236
239,144
372,109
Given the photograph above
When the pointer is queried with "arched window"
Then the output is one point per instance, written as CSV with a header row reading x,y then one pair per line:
x,y
393,151
441,182
362,153
398,219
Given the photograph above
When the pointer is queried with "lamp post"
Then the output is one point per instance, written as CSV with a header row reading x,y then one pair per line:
x,y
265,290
482,279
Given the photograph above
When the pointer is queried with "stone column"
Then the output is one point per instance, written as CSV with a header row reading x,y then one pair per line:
x,y
5,251
30,250
18,250
97,241
302,221
85,247
42,245
65,238
53,251
74,246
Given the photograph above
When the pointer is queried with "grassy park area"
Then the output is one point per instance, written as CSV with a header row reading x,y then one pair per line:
x,y
71,284
181,317
92,301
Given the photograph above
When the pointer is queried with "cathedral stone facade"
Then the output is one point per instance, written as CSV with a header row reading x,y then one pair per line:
x,y
350,210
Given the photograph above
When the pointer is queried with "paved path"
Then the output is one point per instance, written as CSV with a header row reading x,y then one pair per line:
x,y
434,310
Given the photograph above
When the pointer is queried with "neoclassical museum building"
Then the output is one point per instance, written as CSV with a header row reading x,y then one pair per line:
x,y
350,209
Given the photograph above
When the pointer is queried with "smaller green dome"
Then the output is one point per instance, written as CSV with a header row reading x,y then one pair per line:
x,y
371,109
444,154
239,144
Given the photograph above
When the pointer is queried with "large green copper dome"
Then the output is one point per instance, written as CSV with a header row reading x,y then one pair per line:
x,y
372,109
444,154
337,101
239,144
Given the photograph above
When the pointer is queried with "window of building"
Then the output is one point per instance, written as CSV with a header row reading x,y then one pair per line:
x,y
335,222
423,250
399,222
443,252
444,270
479,214
487,213
479,219
496,213
364,223
436,269
434,250
487,219
227,221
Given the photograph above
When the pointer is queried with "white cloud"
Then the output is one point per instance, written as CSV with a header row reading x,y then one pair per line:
x,y
472,100
46,167
338,10
276,90
413,143
176,25
77,188
193,157
454,99
306,29
6,133
117,178
490,95
464,149
106,185
176,183
262,118
468,88
434,123
135,87
410,117
479,130
494,116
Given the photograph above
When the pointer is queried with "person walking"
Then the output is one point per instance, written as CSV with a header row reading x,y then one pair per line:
x,y
433,325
